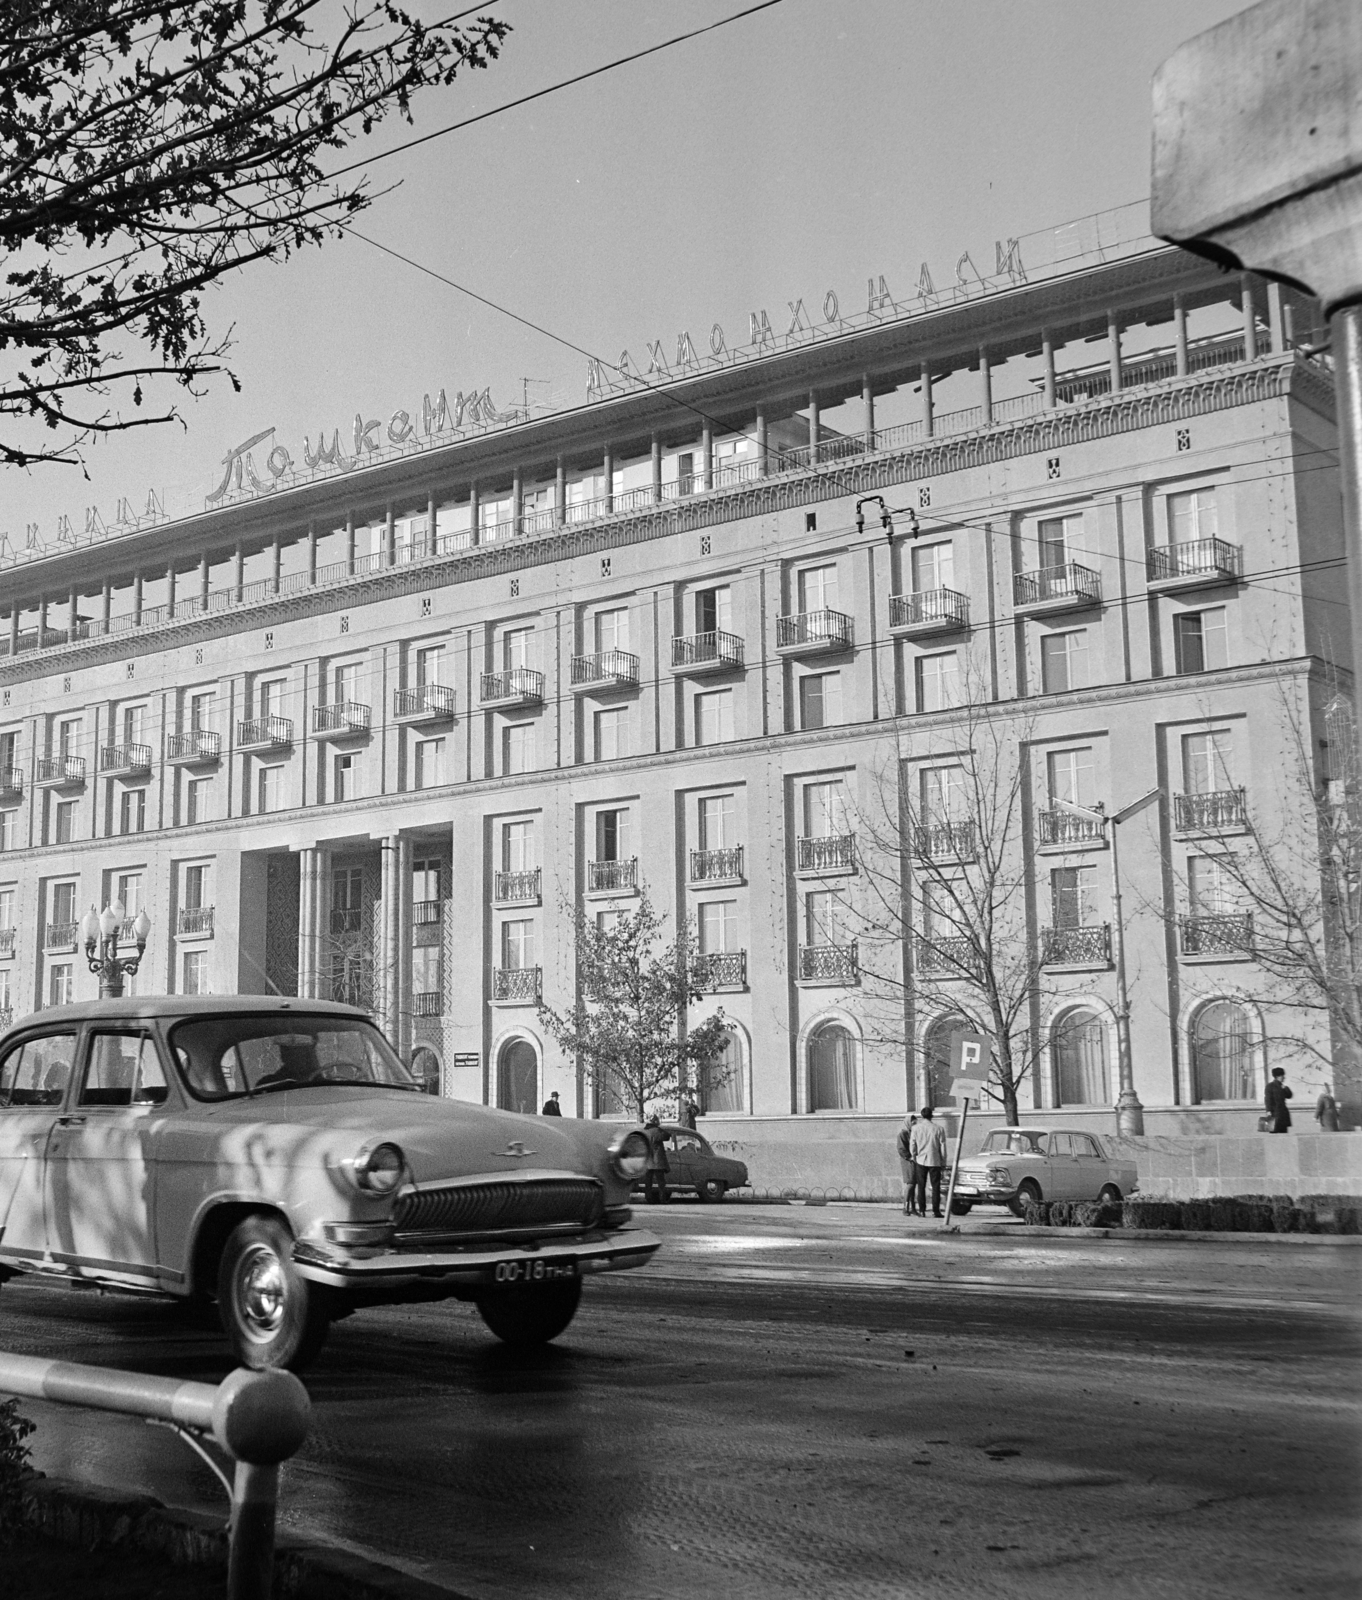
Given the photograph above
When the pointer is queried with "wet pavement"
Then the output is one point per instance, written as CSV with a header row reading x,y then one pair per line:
x,y
817,1402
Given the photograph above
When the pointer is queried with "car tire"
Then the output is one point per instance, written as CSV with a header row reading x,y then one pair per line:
x,y
273,1316
527,1317
1029,1190
961,1208
712,1189
1110,1195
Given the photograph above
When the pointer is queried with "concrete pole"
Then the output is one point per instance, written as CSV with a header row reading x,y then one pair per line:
x,y
1346,327
404,958
349,542
277,560
390,538
1180,334
389,949
1129,1111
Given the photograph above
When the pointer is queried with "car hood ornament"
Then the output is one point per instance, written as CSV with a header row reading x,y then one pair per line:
x,y
515,1149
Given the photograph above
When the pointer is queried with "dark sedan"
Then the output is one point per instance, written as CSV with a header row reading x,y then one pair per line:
x,y
693,1166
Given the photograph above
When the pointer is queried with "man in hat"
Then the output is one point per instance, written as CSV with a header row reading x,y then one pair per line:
x,y
551,1106
1275,1101
655,1176
927,1147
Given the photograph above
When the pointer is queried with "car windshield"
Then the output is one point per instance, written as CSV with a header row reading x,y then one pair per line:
x,y
223,1058
1014,1142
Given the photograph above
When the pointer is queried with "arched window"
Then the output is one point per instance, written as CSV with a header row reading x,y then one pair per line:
x,y
1222,1053
1079,1042
936,1051
832,1069
723,1079
518,1077
425,1068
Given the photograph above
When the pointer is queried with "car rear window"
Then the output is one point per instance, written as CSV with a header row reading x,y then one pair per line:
x,y
1013,1141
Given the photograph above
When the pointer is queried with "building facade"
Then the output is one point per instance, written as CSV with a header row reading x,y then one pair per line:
x,y
379,733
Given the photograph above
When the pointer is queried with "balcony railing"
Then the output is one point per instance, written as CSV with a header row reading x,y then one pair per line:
x,y
613,669
516,888
342,717
11,783
716,866
947,957
1068,827
613,877
1224,934
515,686
1216,812
425,912
1076,947
61,769
196,745
719,969
195,919
125,758
430,702
346,919
515,983
7,938
429,1005
813,630
834,852
929,611
265,733
1194,562
944,841
62,935
828,963
1059,588
6,1017
713,651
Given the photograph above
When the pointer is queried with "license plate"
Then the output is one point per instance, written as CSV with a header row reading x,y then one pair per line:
x,y
963,1188
535,1271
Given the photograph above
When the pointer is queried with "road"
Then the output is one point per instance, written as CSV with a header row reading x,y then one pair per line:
x,y
816,1402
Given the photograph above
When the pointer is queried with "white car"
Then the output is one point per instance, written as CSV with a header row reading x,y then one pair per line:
x,y
1021,1164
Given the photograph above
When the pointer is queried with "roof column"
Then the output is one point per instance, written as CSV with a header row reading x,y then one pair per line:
x,y
72,617
349,541
1047,352
813,428
707,455
136,601
203,588
170,594
1114,350
657,470
107,605
390,538
761,441
518,502
239,571
14,625
278,553
1274,318
1250,323
560,494
431,538
473,510
985,387
311,553
608,467
42,623
868,402
927,420
1180,334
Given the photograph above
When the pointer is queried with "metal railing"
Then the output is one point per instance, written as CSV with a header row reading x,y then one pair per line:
x,y
833,852
515,983
1195,558
1067,582
951,957
714,649
199,744
11,783
425,912
62,935
612,876
606,666
257,1418
939,608
831,963
429,1004
426,700
1209,813
125,758
523,684
1076,947
6,1017
716,866
516,888
265,732
343,716
719,969
1068,827
195,919
1223,934
944,841
346,919
7,938
813,628
61,769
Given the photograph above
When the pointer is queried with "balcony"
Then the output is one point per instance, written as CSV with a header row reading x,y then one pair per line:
x,y
1067,830
515,985
11,784
810,633
60,772
944,841
1076,947
719,969
61,937
346,919
196,746
265,733
1220,811
425,913
345,719
517,686
7,938
832,853
612,877
707,652
429,1005
716,866
125,760
195,921
930,611
829,963
516,888
429,702
1227,935
604,671
947,958
1054,589
1194,564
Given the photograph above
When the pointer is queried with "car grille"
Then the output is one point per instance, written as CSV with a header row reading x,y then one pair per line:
x,y
500,1208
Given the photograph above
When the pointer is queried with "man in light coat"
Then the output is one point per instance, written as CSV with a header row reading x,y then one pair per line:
x,y
927,1147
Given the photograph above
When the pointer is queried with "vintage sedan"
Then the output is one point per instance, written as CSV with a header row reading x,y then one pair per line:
x,y
1020,1164
277,1157
694,1167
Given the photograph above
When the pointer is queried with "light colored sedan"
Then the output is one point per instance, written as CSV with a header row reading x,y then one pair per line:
x,y
277,1157
1021,1164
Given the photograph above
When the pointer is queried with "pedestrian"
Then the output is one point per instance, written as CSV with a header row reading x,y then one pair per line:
x,y
1275,1100
1326,1113
689,1112
655,1176
907,1166
927,1145
551,1106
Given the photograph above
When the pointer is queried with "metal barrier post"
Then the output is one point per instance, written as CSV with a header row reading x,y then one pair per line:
x,y
250,1553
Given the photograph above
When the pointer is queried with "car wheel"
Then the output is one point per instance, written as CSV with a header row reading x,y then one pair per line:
x,y
1028,1193
1110,1195
526,1317
961,1208
713,1189
273,1316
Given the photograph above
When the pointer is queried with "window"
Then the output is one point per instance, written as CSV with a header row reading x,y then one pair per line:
x,y
608,921
198,800
943,795
723,1078
517,748
429,665
933,567
128,892
425,969
425,880
612,629
1057,537
269,789
195,881
1079,1041
1206,760
195,972
430,763
9,750
201,710
1064,661
832,1069
718,927
270,697
517,944
6,908
59,984
717,830
714,610
1071,897
820,700
1192,516
1070,776
824,916
134,719
36,1073
517,847
132,811
1211,889
68,736
7,820
825,809
347,897
1222,1053
344,778
347,682
817,589
1200,641
515,648
63,902
64,822
611,733
612,836
6,993
714,716
938,681
518,1078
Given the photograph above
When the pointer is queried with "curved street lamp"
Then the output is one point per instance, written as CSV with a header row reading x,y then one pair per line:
x,y
100,930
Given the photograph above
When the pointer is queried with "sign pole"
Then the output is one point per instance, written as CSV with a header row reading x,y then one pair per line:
x,y
955,1164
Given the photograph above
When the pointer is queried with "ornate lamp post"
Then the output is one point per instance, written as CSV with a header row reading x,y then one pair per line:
x,y
100,931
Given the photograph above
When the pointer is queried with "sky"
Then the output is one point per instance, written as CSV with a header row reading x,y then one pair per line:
x,y
797,150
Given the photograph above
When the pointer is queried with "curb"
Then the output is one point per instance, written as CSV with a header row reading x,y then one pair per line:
x,y
91,1517
1160,1235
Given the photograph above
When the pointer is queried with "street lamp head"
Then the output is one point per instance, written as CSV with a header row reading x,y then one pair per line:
x,y
89,929
141,928
108,921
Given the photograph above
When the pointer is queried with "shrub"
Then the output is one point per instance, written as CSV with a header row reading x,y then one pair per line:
x,y
1221,1216
14,1453
1196,1216
1060,1213
1037,1214
1165,1214
1252,1214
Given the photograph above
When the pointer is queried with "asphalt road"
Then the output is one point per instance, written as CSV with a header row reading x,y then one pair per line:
x,y
816,1402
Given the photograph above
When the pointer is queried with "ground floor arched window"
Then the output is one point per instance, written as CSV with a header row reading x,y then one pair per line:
x,y
425,1068
832,1069
518,1077
936,1052
723,1078
1079,1045
1222,1053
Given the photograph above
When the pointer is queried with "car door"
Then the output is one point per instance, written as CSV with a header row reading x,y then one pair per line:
x,y
34,1075
99,1200
1062,1165
683,1150
1090,1166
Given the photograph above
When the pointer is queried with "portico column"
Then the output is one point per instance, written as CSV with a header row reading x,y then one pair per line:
x,y
14,626
311,553
349,542
389,996
308,916
402,964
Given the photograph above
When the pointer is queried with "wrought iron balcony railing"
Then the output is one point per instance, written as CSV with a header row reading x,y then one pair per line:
x,y
716,866
342,716
346,919
1068,827
1224,934
612,876
947,957
516,888
430,702
265,733
1057,588
1195,561
195,919
944,841
822,630
515,983
607,669
58,770
425,912
1215,812
719,969
515,686
125,758
429,1005
929,611
707,651
829,963
62,935
11,783
7,938
1076,947
834,852
199,744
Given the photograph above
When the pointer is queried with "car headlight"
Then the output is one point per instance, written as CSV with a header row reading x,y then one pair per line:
x,y
1000,1176
629,1156
378,1169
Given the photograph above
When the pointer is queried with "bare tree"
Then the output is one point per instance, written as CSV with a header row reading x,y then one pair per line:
x,y
148,148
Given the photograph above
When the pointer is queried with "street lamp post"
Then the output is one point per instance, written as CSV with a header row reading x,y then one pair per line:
x,y
100,931
1129,1111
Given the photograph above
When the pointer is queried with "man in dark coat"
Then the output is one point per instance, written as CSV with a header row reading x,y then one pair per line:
x,y
655,1177
551,1106
1275,1100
